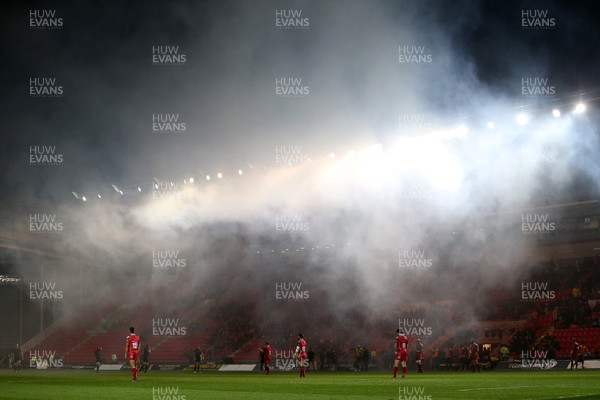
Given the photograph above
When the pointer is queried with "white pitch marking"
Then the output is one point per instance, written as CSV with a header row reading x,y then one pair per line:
x,y
497,388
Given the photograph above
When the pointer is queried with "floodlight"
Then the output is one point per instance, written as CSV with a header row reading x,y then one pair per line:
x,y
579,108
522,118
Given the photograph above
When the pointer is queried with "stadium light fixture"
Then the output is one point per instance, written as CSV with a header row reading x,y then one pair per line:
x,y
579,108
240,172
9,279
490,125
522,118
84,198
192,180
208,177
219,175
556,113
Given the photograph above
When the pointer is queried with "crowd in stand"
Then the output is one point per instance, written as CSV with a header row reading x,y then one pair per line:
x,y
576,303
237,325
336,338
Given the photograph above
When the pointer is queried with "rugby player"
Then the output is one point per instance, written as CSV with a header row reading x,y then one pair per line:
x,y
132,348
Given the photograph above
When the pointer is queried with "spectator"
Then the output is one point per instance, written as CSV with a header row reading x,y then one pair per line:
x,y
261,357
310,354
365,359
504,352
434,361
358,354
146,358
419,356
448,358
198,357
98,357
17,358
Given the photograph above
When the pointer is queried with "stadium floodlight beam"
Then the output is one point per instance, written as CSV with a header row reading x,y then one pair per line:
x,y
191,180
99,196
459,132
208,177
240,172
522,118
219,175
139,189
556,113
579,108
84,198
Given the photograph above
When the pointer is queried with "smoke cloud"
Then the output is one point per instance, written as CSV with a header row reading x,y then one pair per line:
x,y
356,153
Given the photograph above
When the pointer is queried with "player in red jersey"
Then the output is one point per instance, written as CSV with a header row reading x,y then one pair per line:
x,y
267,357
419,356
401,355
574,354
133,343
474,356
583,352
300,354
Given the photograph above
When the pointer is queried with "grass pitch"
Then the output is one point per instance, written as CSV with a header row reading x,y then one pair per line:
x,y
86,384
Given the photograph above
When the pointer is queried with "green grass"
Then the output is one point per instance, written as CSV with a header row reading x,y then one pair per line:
x,y
86,384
